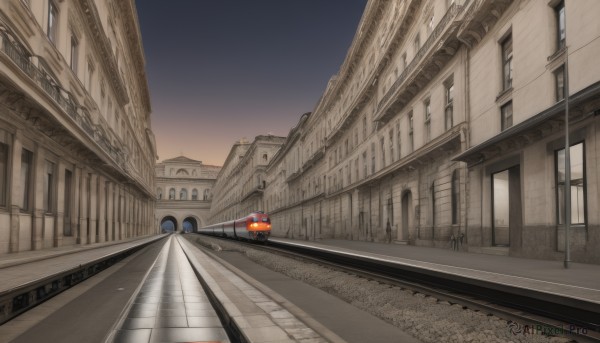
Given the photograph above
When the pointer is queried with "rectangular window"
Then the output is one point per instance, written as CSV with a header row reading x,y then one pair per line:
x,y
3,173
382,142
68,199
90,76
411,141
449,109
578,206
427,120
372,158
49,188
52,21
417,44
364,154
506,114
74,53
398,139
26,169
364,128
561,33
430,25
559,77
391,145
507,55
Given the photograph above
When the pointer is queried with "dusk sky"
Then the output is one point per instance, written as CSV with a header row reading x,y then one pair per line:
x,y
220,70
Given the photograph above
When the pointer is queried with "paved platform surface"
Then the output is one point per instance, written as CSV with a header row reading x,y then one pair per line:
x,y
257,315
171,305
21,268
581,281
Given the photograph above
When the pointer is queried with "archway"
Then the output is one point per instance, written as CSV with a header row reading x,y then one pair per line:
x,y
190,224
168,224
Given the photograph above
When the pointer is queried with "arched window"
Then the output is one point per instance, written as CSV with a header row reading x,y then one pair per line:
x,y
194,194
172,194
455,196
265,157
159,193
206,194
183,194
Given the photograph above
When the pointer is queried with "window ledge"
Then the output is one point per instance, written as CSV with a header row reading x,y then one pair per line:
x,y
556,60
504,95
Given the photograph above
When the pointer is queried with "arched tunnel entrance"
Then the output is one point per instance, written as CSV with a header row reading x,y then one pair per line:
x,y
168,224
190,224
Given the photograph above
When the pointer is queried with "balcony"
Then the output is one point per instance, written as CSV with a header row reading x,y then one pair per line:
x,y
437,50
79,115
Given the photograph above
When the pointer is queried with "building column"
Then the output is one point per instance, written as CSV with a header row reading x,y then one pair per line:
x,y
59,222
83,207
37,225
120,213
110,210
101,209
16,192
93,214
75,207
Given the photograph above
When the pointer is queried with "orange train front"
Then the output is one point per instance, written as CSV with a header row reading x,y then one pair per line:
x,y
255,227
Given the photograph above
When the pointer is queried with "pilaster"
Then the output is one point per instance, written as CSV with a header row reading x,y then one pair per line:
x,y
93,215
101,233
16,194
110,210
83,207
59,222
37,227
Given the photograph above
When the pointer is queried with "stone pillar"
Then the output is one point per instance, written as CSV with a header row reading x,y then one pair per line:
x,y
101,233
83,207
93,214
120,213
110,210
37,226
16,192
75,207
59,222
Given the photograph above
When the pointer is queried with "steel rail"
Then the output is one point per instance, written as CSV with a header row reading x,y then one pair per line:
x,y
547,310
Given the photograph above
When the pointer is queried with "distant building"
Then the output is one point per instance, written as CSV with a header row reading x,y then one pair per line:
x,y
77,151
446,120
184,193
240,185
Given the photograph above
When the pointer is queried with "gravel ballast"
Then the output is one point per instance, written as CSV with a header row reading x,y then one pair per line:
x,y
422,316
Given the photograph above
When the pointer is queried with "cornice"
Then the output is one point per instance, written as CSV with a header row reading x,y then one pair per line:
x,y
134,37
100,41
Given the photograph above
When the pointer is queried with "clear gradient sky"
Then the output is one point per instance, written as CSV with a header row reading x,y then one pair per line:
x,y
220,70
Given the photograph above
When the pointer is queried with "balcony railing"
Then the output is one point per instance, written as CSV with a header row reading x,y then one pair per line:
x,y
433,37
61,97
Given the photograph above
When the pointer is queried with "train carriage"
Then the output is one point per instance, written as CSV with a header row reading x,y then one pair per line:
x,y
254,227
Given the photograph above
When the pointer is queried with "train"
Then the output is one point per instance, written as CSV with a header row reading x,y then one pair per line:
x,y
256,226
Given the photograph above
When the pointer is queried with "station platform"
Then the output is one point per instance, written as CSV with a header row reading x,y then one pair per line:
x,y
21,268
581,281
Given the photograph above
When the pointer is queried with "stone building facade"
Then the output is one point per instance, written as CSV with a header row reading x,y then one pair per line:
x,y
77,152
446,120
241,182
539,51
184,192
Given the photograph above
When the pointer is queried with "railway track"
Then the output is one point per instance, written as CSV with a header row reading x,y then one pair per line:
x,y
553,314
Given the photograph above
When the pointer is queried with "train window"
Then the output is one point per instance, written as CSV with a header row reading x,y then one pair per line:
x,y
255,219
266,220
